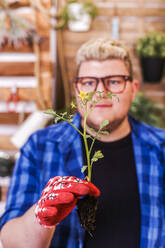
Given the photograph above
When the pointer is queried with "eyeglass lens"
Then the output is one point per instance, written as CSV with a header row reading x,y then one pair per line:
x,y
112,84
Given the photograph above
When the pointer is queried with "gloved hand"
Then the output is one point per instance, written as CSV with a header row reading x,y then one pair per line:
x,y
59,198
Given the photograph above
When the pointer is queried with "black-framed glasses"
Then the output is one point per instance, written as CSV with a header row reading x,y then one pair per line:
x,y
112,83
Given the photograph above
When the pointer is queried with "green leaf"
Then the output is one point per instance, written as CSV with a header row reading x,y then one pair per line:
x,y
98,137
70,119
84,168
90,95
115,96
104,123
109,95
104,132
99,93
50,111
91,129
57,118
64,114
88,136
70,116
97,155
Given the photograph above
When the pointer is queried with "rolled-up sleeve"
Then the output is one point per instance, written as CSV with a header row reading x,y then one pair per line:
x,y
24,189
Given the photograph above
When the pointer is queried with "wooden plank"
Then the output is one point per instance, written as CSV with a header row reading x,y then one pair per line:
x,y
44,56
101,23
129,37
46,91
20,49
129,24
46,67
153,1
22,69
16,69
78,38
159,12
4,191
152,25
18,4
70,50
45,43
154,87
11,118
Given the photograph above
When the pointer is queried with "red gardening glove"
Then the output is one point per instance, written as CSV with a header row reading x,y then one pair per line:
x,y
60,197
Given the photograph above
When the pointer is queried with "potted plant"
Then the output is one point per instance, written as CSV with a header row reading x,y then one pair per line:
x,y
77,16
87,206
151,50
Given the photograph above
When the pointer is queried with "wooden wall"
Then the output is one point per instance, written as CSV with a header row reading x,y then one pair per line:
x,y
30,68
137,17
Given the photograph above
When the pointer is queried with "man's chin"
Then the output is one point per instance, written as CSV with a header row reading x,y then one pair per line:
x,y
113,124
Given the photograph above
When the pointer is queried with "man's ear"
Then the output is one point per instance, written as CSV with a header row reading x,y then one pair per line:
x,y
74,89
135,88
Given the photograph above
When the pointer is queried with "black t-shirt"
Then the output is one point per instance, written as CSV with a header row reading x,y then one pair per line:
x,y
118,213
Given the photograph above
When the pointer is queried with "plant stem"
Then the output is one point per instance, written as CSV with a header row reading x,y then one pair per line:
x,y
70,124
86,147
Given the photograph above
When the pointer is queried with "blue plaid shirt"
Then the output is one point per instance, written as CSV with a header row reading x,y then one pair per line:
x,y
56,150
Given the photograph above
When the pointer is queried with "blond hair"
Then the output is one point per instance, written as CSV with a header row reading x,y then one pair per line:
x,y
101,49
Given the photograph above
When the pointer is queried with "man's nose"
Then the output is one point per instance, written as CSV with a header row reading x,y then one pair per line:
x,y
101,86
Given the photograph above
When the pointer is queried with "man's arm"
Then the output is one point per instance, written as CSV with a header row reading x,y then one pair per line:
x,y
57,200
25,231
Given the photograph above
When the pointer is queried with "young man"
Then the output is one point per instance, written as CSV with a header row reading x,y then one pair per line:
x,y
131,209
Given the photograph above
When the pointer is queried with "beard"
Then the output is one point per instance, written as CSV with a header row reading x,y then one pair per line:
x,y
112,126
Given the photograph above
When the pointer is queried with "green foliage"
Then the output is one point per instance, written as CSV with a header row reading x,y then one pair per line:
x,y
110,95
90,8
147,111
61,116
97,155
151,45
104,123
15,29
65,16
84,168
65,116
104,132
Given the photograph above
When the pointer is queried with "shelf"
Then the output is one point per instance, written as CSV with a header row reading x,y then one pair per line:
x,y
21,107
17,57
19,82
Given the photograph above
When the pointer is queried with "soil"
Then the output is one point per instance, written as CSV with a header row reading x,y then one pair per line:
x,y
87,207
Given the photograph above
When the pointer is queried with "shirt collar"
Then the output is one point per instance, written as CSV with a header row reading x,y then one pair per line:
x,y
64,133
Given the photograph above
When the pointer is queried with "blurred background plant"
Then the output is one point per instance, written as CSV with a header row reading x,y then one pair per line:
x,y
15,30
151,51
65,15
151,45
147,111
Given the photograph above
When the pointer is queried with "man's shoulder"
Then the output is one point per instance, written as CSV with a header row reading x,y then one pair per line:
x,y
52,132
147,132
57,132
